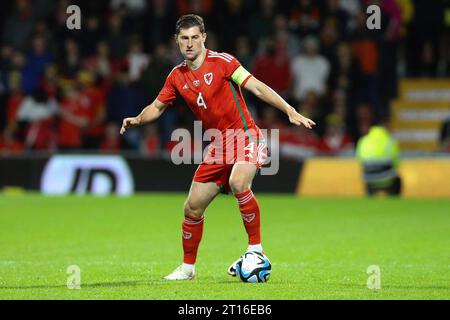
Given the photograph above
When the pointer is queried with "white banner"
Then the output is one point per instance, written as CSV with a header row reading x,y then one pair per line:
x,y
87,174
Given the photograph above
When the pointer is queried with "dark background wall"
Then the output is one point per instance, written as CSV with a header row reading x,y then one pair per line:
x,y
148,175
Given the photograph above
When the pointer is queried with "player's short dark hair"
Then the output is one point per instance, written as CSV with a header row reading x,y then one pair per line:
x,y
189,21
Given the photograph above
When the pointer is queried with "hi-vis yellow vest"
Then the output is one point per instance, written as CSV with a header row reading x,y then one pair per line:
x,y
379,155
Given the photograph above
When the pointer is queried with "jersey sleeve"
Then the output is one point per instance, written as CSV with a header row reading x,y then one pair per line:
x,y
229,64
235,71
168,93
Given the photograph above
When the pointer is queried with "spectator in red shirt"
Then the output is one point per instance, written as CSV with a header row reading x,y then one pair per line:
x,y
273,68
304,17
14,99
94,100
335,141
298,143
111,140
49,82
9,145
74,117
151,141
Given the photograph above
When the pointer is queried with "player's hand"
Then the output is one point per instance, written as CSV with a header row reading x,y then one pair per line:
x,y
297,119
128,123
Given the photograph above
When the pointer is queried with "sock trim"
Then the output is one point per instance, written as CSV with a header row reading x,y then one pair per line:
x,y
193,220
243,198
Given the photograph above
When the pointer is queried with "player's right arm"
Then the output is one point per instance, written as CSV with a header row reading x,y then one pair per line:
x,y
149,114
153,111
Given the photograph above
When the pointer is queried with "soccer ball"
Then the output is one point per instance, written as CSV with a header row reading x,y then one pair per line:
x,y
253,267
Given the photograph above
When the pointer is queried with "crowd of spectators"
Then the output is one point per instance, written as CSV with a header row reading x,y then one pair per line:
x,y
64,89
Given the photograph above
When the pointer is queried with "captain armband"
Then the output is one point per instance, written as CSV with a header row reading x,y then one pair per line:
x,y
240,75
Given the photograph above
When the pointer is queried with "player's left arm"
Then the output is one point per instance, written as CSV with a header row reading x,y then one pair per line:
x,y
243,78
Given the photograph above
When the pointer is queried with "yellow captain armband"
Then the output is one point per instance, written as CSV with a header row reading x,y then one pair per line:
x,y
240,75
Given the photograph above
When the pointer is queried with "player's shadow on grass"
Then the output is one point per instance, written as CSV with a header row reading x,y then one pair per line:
x,y
134,283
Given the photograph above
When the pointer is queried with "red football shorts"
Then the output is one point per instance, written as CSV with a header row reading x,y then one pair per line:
x,y
220,158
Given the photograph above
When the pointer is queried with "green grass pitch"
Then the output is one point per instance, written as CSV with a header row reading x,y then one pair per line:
x,y
319,248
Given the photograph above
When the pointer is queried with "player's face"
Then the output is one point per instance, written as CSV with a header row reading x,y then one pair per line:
x,y
191,42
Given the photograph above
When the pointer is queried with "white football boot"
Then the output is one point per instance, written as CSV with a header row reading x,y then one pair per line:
x,y
180,274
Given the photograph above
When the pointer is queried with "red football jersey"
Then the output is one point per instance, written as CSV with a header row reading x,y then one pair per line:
x,y
210,93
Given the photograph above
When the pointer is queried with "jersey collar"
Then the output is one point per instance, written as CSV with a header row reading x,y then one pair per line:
x,y
201,64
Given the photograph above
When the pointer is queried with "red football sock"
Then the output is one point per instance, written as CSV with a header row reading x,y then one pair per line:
x,y
249,207
192,234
